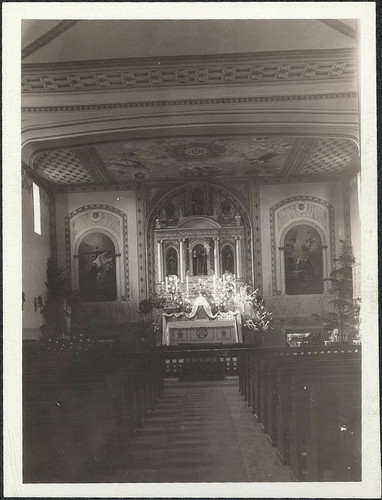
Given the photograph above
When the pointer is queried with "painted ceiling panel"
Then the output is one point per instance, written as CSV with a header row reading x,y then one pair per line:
x,y
196,157
62,167
330,156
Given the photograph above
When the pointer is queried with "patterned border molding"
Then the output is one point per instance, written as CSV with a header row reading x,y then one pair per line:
x,y
224,69
188,102
108,208
347,218
258,281
27,172
302,179
273,231
53,226
141,242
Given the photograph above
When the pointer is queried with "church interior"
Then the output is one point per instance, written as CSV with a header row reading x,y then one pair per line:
x,y
191,251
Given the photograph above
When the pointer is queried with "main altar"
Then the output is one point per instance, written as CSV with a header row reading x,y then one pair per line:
x,y
201,325
207,311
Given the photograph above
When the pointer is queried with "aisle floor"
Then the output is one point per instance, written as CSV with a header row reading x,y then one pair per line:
x,y
200,432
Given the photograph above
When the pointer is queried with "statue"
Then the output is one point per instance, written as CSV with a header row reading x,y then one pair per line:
x,y
65,318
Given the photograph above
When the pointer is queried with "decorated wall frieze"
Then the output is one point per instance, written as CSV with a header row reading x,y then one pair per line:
x,y
189,102
101,218
209,70
302,209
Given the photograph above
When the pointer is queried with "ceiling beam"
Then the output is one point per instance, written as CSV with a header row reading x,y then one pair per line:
x,y
298,156
92,161
46,38
341,27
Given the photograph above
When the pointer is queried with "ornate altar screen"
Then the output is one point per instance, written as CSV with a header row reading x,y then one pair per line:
x,y
199,234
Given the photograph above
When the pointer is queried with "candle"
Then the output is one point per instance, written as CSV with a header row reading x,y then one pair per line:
x,y
166,284
187,284
214,286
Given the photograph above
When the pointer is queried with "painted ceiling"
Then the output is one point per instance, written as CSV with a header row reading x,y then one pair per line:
x,y
197,158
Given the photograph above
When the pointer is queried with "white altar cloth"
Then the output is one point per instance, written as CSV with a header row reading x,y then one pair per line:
x,y
221,327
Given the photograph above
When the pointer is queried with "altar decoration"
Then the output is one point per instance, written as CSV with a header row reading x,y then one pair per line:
x,y
220,303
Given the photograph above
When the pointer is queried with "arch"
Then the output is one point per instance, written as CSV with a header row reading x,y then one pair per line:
x,y
106,220
297,211
246,247
199,222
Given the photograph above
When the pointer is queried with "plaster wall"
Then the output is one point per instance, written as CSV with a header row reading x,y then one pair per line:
x,y
35,251
355,221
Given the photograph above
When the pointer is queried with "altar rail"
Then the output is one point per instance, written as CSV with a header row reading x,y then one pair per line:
x,y
308,401
196,362
77,414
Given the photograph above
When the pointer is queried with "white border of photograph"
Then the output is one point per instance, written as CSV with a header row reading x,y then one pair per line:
x,y
12,15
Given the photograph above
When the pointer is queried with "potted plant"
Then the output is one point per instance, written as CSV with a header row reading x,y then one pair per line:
x,y
344,320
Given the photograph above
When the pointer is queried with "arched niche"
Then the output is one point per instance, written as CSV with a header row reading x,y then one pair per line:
x,y
103,220
303,260
97,269
304,218
171,260
228,264
199,259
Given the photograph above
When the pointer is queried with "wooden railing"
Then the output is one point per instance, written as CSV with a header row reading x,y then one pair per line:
x,y
308,401
77,414
190,362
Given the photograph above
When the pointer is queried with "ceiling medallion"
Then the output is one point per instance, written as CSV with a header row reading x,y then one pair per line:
x,y
196,151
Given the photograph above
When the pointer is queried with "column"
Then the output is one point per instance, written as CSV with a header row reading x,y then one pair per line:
x,y
238,257
282,270
75,273
181,259
118,274
325,268
160,260
216,257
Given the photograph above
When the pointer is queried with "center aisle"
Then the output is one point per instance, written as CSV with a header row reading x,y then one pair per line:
x,y
199,432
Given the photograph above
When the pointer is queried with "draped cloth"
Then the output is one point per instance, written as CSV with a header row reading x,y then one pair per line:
x,y
201,301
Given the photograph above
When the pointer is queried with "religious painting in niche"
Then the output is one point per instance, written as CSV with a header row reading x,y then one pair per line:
x,y
171,262
97,269
303,261
197,202
227,260
199,260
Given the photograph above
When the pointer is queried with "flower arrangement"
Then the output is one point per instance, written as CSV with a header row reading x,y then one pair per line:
x,y
260,319
76,345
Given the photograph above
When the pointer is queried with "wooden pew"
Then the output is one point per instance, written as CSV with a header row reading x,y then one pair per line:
x,y
289,391
84,411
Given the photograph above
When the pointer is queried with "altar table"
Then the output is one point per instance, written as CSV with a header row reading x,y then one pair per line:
x,y
206,331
